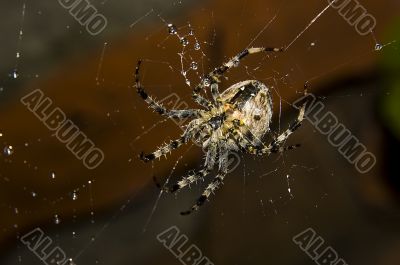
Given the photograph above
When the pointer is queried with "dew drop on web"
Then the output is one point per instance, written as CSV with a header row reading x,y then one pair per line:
x,y
8,150
378,47
57,219
172,29
184,42
194,66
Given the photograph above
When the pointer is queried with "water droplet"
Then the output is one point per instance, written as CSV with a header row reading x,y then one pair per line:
x,y
73,234
14,74
74,196
52,175
312,44
378,47
16,210
172,29
194,66
71,262
184,42
8,150
57,219
197,46
92,238
206,82
34,194
191,32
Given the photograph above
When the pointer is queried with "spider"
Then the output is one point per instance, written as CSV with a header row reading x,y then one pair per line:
x,y
234,120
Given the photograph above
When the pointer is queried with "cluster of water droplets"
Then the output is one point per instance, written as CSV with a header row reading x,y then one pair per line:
x,y
185,41
57,219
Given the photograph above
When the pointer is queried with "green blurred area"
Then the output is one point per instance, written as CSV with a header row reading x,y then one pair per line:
x,y
390,68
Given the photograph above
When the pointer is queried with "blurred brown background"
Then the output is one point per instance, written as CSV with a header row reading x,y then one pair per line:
x,y
253,218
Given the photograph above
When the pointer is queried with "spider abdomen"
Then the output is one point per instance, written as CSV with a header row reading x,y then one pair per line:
x,y
251,103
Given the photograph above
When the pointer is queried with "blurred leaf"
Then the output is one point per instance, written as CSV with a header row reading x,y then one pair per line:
x,y
390,65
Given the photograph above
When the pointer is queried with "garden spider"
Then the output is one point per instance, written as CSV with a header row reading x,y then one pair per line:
x,y
234,120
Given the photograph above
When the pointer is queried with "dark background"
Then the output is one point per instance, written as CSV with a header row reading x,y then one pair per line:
x,y
253,218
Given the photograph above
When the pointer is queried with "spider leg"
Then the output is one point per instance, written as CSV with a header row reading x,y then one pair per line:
x,y
193,128
216,183
244,138
185,181
216,74
163,150
205,103
286,148
253,149
246,142
195,176
250,144
215,94
157,107
275,145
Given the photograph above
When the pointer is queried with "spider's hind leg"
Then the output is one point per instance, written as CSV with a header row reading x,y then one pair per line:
x,y
216,183
189,179
195,176
276,145
212,187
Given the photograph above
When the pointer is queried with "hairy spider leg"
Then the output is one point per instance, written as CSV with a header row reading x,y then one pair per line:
x,y
251,145
157,107
192,129
195,176
215,75
163,150
216,182
215,94
205,103
275,145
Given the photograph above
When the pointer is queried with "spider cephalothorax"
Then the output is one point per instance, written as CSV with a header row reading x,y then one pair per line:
x,y
235,120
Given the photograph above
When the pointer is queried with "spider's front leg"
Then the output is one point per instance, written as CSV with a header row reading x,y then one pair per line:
x,y
158,107
163,150
215,94
217,181
215,75
205,103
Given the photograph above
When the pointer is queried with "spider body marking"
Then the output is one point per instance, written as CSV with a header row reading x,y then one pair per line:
x,y
234,120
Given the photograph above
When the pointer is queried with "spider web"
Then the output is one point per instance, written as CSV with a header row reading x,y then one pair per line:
x,y
191,63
